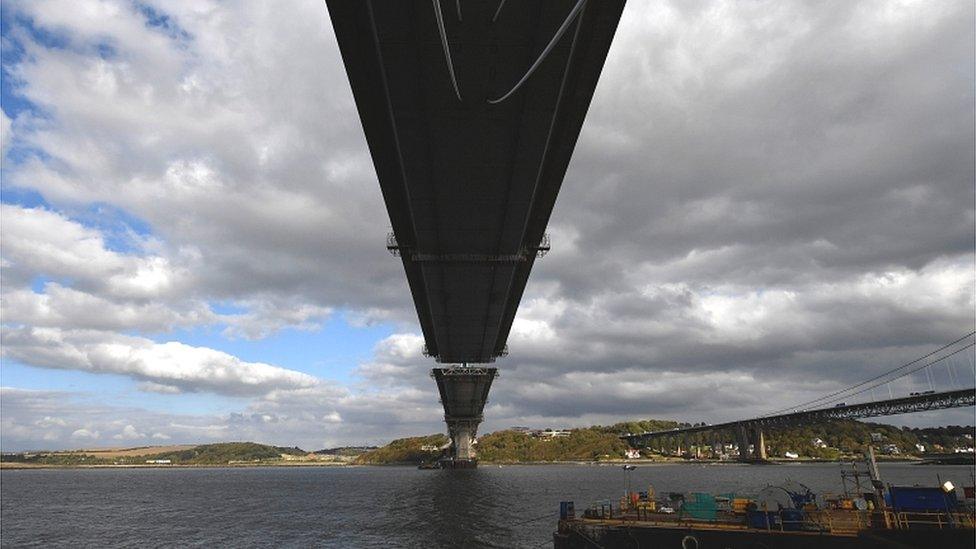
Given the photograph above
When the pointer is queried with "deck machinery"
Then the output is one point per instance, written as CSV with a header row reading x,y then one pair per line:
x,y
471,110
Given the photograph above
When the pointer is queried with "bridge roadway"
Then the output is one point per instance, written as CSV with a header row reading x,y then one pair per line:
x,y
750,431
471,110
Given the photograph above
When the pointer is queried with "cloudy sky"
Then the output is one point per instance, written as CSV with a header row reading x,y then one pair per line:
x,y
769,201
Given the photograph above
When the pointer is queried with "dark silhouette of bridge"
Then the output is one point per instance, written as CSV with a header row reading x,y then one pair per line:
x,y
471,111
751,431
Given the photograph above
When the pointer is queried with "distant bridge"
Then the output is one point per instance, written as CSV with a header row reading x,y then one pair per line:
x,y
750,431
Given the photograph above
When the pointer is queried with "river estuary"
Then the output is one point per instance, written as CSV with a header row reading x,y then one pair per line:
x,y
511,506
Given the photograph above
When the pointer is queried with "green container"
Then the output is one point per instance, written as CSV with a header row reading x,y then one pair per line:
x,y
701,506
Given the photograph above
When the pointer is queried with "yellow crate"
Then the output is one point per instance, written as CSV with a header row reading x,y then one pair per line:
x,y
739,505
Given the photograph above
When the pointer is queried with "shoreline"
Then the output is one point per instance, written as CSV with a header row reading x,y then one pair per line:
x,y
607,463
26,466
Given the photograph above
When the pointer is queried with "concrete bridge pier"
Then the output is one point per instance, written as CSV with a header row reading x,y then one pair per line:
x,y
742,440
464,393
462,432
747,435
758,444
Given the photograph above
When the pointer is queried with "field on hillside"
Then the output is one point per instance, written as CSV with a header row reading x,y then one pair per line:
x,y
109,453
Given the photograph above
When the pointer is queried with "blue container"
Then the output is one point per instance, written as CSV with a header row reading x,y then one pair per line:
x,y
920,498
792,519
764,520
567,510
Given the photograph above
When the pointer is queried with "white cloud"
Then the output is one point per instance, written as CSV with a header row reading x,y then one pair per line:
x,y
84,434
65,307
6,133
265,317
171,364
38,241
48,421
129,433
152,387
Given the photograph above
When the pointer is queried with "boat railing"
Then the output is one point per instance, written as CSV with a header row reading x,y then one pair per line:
x,y
840,522
907,520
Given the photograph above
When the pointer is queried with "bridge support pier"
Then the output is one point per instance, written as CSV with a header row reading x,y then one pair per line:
x,y
464,393
462,432
742,440
758,445
745,436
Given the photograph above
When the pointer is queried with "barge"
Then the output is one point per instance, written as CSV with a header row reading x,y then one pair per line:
x,y
790,516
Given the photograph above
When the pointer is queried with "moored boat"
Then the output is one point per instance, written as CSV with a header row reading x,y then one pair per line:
x,y
867,515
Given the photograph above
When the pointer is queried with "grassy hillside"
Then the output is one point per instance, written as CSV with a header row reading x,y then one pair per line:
x,y
849,436
586,444
581,445
404,450
843,439
204,454
226,452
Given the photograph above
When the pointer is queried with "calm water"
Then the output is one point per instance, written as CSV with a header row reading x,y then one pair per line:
x,y
354,507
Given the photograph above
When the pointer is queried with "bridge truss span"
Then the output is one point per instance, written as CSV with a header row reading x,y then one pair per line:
x,y
890,407
903,405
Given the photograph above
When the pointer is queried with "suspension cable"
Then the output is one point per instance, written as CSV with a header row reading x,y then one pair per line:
x,y
552,43
497,11
447,48
957,351
881,376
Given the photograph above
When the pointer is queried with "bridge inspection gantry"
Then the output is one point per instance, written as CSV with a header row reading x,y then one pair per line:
x,y
471,111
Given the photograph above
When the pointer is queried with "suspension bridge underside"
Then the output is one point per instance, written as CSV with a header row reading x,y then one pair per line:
x,y
750,431
470,184
471,110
